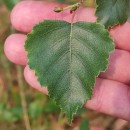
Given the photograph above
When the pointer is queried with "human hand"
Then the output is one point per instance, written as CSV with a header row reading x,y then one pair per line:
x,y
112,89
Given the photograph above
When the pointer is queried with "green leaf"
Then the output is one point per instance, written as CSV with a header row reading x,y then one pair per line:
x,y
67,58
11,3
129,13
112,12
35,109
13,114
129,19
84,125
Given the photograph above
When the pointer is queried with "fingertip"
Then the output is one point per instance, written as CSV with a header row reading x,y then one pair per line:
x,y
14,49
32,80
28,13
22,15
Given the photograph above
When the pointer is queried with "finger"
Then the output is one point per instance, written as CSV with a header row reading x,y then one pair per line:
x,y
32,80
14,48
28,13
121,36
112,98
118,68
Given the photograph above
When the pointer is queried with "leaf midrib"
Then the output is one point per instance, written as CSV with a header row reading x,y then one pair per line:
x,y
70,50
70,59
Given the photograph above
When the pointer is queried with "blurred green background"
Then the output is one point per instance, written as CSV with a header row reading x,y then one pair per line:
x,y
23,108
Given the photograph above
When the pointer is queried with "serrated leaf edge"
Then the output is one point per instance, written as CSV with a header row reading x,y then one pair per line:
x,y
103,29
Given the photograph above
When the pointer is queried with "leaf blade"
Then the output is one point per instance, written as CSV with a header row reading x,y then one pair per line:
x,y
84,125
61,53
112,12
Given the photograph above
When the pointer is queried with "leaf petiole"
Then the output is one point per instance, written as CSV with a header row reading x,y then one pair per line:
x,y
71,7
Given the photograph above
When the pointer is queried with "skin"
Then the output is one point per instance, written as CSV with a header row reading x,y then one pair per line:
x,y
112,89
